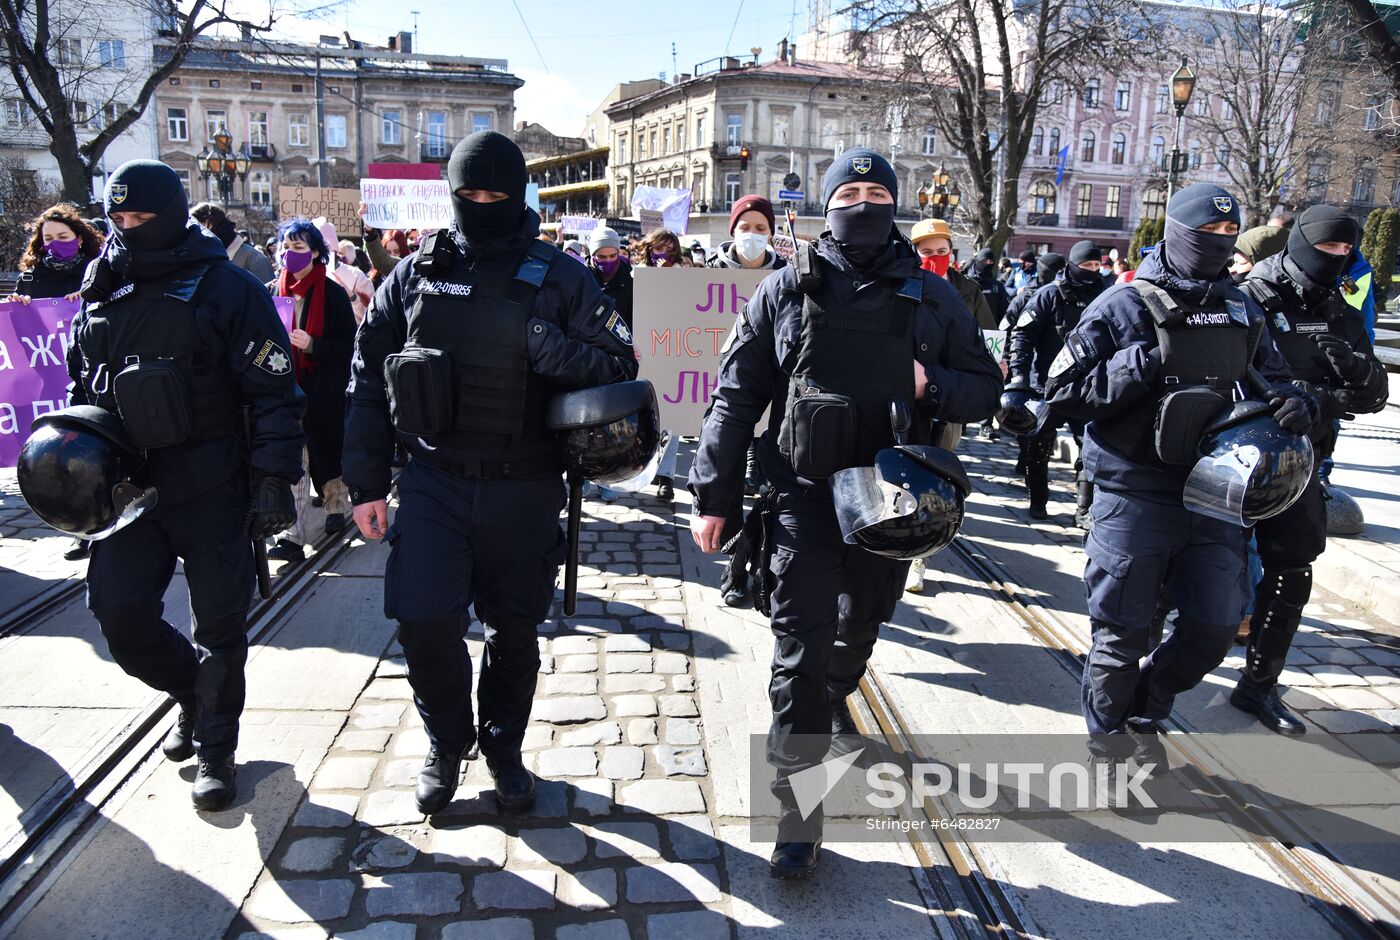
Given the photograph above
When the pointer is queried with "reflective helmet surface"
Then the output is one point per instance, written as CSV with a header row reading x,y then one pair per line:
x,y
908,505
1249,468
1013,415
608,434
67,475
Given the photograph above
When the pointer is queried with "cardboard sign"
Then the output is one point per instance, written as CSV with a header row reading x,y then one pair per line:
x,y
34,341
651,220
406,204
682,318
341,206
578,224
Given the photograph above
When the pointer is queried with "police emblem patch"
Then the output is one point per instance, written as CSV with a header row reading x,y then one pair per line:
x,y
118,193
861,164
618,327
1224,203
272,359
1062,362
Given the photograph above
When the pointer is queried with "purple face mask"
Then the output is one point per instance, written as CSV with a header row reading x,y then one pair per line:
x,y
295,261
64,251
608,267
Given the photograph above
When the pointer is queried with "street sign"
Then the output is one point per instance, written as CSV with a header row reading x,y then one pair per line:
x,y
792,181
792,195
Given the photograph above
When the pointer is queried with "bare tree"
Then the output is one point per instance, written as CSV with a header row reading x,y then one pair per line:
x,y
978,70
1381,45
69,84
22,197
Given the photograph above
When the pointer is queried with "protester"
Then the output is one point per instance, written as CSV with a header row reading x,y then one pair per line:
x,y
217,222
1122,271
322,339
612,270
751,225
356,283
575,249
660,249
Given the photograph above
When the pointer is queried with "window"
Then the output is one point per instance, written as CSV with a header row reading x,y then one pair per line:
x,y
177,124
680,136
641,145
780,129
257,128
666,139
1053,93
621,148
733,129
731,189
1091,93
1043,197
1195,155
654,151
391,127
1154,203
214,83
335,130
1123,97
1370,119
1222,156
481,121
16,113
1395,192
111,53
298,130
1326,103
1363,188
1319,172
298,89
929,147
255,85
1086,200
437,134
70,51
1114,202
1227,110
1164,98
699,132
80,112
213,120
260,189
184,176
110,110
1038,142
1054,141
1087,145
1201,106
1120,149
1159,150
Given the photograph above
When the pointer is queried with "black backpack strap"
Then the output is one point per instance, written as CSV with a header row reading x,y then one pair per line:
x,y
1165,311
809,271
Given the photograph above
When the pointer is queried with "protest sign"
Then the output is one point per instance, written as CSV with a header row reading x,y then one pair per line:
x,y
578,224
651,220
994,340
34,340
341,206
683,316
406,204
673,204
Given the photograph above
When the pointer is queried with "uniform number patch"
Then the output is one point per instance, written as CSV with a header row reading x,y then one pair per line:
x,y
272,359
618,327
1316,327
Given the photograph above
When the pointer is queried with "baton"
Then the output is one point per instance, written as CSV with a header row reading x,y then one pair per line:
x,y
571,564
259,545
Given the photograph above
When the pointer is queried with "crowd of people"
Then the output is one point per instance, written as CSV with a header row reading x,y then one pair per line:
x,y
444,355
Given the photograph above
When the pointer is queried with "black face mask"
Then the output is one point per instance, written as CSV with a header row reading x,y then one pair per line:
x,y
1324,269
1077,275
163,232
862,230
486,220
1239,277
1195,253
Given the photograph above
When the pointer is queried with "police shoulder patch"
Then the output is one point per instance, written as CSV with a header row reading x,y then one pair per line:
x,y
1063,361
272,359
1027,318
618,327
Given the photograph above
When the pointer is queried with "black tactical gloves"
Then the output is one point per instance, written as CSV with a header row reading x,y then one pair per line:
x,y
271,508
1295,413
1343,360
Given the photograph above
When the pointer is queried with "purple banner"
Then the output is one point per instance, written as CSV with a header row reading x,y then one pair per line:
x,y
34,339
286,309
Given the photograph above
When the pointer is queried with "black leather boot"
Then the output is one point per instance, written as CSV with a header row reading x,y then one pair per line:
x,y
844,736
179,742
794,861
1148,748
214,787
1262,701
515,786
437,781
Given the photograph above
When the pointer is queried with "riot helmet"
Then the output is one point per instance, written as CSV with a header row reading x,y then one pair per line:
x,y
1013,415
1248,468
609,434
908,505
73,471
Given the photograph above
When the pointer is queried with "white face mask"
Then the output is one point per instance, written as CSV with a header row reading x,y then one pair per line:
x,y
751,246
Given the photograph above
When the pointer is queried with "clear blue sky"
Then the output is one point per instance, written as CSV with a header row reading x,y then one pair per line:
x,y
585,47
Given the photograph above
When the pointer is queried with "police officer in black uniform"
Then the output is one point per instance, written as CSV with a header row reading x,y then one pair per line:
x,y
1325,343
1036,339
179,341
1142,354
855,317
475,333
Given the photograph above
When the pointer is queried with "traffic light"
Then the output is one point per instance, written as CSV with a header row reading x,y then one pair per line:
x,y
743,158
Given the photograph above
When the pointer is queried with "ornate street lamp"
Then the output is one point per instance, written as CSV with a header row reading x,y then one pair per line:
x,y
941,196
1183,83
222,163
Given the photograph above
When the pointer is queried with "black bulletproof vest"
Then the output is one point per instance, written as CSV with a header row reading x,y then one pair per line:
x,y
863,350
1069,309
151,320
1294,324
481,324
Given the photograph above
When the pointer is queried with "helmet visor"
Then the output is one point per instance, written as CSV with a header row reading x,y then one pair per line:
x,y
131,503
643,478
1217,485
864,498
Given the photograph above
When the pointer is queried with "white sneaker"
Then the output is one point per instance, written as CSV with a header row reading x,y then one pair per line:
x,y
914,583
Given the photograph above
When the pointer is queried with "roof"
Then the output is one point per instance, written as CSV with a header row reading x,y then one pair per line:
x,y
802,71
337,62
541,163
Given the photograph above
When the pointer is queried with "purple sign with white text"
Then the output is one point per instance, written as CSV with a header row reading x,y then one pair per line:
x,y
34,340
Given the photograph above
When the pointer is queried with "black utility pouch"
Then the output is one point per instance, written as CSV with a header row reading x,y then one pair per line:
x,y
153,400
419,384
819,431
1182,417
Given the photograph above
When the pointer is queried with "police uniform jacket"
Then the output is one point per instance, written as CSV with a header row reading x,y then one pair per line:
x,y
964,382
237,329
1107,375
573,340
1296,309
619,289
1038,332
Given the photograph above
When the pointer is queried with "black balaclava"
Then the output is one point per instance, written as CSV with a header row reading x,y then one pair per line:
x,y
1321,224
864,230
1190,252
148,186
492,161
1080,252
1048,265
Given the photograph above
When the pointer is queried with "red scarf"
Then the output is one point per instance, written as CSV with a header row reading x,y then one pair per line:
x,y
312,290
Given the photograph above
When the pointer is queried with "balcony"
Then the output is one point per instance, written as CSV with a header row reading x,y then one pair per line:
x,y
727,151
1043,219
262,152
1106,222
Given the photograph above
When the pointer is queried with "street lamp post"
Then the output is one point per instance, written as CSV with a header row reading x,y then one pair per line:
x,y
223,164
1183,83
941,196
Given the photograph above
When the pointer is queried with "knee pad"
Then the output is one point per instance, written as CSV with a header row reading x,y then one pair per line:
x,y
1293,586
